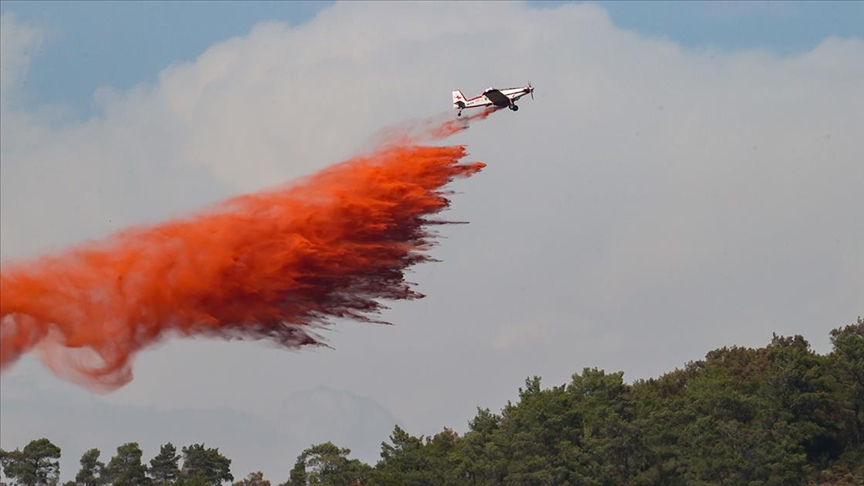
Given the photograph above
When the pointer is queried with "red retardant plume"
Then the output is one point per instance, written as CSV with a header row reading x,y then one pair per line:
x,y
273,265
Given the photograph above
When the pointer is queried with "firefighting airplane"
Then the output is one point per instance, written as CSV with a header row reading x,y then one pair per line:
x,y
502,98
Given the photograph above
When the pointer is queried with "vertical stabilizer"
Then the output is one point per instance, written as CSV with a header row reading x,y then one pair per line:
x,y
458,99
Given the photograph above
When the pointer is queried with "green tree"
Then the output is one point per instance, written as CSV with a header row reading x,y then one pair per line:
x,y
205,465
126,468
91,470
847,362
730,427
327,464
846,365
36,465
799,383
404,461
540,436
481,457
163,467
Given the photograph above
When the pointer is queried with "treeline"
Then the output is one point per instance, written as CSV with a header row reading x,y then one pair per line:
x,y
778,415
38,464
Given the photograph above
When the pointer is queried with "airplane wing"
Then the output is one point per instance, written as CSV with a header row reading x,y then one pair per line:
x,y
497,97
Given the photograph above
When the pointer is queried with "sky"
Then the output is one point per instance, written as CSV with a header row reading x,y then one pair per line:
x,y
689,176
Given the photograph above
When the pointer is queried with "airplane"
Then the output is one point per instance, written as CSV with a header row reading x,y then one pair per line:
x,y
501,98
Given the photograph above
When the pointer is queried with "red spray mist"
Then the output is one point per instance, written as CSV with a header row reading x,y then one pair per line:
x,y
273,265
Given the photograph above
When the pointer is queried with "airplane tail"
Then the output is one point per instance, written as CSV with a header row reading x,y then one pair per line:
x,y
458,99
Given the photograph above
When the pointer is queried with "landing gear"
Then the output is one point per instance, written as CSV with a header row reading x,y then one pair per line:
x,y
460,113
514,107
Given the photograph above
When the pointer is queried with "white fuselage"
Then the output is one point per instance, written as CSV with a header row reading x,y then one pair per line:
x,y
501,98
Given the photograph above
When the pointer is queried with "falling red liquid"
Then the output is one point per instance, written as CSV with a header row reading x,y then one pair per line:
x,y
273,265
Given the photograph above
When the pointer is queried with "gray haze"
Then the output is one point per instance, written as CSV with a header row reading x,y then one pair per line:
x,y
653,203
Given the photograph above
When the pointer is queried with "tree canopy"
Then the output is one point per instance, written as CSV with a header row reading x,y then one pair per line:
x,y
777,415
206,466
163,467
37,464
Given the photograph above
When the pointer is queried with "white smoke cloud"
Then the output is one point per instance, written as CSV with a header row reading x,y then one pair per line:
x,y
18,43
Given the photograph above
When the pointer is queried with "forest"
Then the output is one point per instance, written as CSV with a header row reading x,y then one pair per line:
x,y
777,415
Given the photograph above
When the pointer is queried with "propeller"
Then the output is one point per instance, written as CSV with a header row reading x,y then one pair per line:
x,y
530,90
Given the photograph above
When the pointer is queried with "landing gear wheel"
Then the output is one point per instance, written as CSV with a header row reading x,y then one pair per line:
x,y
514,107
